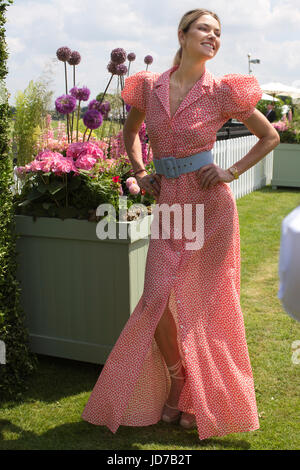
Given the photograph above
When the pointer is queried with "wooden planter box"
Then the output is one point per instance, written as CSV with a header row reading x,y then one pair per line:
x,y
78,291
286,166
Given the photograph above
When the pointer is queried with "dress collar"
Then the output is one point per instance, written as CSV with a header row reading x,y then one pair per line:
x,y
161,88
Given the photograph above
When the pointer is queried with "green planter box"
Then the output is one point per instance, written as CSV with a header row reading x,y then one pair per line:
x,y
286,166
78,291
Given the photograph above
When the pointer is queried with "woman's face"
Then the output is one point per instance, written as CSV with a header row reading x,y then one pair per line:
x,y
203,37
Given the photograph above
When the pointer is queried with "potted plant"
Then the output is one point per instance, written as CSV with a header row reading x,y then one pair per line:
x,y
286,157
79,288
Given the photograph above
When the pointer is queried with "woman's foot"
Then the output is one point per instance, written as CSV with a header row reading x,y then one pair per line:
x,y
188,421
170,413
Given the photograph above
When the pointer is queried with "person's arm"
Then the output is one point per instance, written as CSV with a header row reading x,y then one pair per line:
x,y
269,138
132,141
133,148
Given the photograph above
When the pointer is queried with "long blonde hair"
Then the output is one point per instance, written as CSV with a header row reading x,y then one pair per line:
x,y
186,22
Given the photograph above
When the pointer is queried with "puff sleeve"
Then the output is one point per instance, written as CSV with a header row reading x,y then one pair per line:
x,y
239,95
134,91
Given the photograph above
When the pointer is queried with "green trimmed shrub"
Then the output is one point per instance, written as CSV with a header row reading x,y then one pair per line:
x,y
20,362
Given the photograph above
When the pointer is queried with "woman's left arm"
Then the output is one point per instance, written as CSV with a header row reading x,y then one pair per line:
x,y
269,138
259,125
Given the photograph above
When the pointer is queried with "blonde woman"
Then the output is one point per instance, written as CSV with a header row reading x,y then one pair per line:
x,y
182,355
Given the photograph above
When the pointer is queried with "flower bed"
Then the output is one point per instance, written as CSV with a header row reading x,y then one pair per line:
x,y
74,173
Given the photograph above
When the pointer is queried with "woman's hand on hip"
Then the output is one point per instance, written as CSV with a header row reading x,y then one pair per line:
x,y
151,188
212,174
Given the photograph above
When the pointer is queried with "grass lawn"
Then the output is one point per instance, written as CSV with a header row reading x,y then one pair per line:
x,y
49,416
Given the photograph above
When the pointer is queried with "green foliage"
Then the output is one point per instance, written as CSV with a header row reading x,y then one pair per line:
x,y
31,108
262,106
19,361
76,196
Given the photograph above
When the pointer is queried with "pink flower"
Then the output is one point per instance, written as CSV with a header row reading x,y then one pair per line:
x,y
134,188
85,162
78,149
130,181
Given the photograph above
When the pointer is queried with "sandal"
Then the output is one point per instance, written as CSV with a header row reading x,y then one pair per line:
x,y
174,416
188,421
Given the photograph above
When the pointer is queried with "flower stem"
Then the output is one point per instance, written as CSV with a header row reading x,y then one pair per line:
x,y
102,98
89,135
77,121
66,81
84,134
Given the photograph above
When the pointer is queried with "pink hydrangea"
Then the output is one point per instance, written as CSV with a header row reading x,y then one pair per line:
x,y
78,149
85,162
54,162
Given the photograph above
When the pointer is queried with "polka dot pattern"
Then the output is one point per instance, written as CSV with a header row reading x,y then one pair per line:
x,y
200,286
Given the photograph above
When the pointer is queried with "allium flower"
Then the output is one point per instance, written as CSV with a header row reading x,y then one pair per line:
x,y
105,108
118,55
148,59
92,119
74,58
128,107
81,94
131,56
63,53
121,69
112,68
65,104
95,104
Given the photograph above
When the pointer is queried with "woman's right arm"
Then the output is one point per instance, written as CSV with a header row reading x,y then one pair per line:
x,y
133,148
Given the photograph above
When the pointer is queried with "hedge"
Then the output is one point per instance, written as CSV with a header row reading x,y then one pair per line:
x,y
19,361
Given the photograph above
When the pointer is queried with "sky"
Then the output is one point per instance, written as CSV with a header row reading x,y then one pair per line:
x,y
35,29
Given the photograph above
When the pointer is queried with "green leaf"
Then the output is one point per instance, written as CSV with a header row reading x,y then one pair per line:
x,y
55,186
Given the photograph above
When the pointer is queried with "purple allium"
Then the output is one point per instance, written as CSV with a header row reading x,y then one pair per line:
x,y
131,56
112,68
128,107
92,119
81,94
74,91
118,55
74,58
65,104
121,69
105,107
63,53
95,104
148,59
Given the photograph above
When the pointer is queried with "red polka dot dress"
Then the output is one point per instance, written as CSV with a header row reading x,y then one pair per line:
x,y
201,286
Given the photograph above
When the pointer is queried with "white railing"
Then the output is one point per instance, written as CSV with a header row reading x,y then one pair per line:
x,y
228,151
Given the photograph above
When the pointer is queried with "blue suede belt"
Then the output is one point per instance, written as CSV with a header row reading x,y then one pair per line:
x,y
173,167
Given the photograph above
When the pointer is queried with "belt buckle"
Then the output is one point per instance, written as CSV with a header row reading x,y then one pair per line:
x,y
170,167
